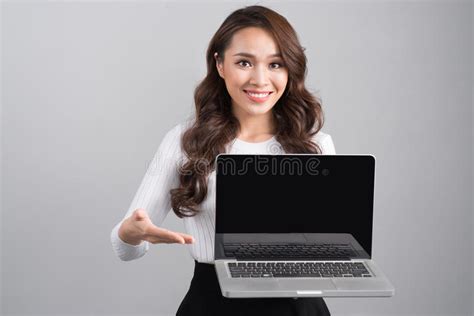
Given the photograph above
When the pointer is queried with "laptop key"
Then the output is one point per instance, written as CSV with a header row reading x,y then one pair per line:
x,y
283,275
309,275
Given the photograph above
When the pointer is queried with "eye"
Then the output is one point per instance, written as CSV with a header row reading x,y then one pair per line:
x,y
243,62
276,65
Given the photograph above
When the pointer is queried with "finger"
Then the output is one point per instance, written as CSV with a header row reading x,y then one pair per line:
x,y
187,238
165,234
157,240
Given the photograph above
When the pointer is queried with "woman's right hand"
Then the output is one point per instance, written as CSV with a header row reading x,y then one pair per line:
x,y
138,227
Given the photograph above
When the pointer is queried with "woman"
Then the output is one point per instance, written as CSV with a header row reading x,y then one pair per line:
x,y
253,100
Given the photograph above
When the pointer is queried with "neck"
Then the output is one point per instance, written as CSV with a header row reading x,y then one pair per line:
x,y
256,127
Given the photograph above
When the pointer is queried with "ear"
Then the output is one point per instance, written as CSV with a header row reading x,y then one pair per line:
x,y
219,65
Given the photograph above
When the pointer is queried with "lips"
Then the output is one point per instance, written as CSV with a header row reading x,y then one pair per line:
x,y
258,96
257,93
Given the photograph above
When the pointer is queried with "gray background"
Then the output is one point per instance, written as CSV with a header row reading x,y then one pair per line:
x,y
90,88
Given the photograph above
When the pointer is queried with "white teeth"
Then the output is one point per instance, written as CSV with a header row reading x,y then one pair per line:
x,y
258,95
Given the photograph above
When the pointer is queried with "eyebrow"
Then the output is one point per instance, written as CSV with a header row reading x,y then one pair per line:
x,y
253,56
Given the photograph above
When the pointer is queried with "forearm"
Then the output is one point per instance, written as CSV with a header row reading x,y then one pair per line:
x,y
124,250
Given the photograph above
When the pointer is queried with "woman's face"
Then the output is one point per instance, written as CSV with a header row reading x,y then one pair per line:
x,y
253,72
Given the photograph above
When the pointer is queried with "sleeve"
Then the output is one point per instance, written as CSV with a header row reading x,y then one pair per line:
x,y
153,193
327,145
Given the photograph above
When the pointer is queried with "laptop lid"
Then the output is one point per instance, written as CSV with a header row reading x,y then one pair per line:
x,y
326,198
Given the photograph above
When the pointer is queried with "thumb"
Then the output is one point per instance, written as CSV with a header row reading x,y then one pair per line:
x,y
140,214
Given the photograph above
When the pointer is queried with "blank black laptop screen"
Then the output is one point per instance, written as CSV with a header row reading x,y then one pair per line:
x,y
296,194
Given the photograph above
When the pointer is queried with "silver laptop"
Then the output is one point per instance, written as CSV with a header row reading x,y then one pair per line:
x,y
296,225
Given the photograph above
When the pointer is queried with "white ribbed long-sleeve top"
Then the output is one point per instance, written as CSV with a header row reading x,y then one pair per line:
x,y
163,175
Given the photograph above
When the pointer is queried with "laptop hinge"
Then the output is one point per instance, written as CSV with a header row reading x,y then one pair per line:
x,y
294,259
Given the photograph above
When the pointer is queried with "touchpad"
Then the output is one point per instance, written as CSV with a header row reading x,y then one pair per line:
x,y
260,285
307,285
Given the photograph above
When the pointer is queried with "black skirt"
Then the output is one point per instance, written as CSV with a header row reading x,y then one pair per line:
x,y
204,297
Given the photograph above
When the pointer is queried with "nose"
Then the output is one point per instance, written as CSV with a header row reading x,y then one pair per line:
x,y
259,76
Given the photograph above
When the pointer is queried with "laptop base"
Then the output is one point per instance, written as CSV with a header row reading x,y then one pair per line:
x,y
378,286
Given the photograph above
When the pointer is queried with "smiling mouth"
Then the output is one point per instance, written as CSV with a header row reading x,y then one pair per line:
x,y
259,95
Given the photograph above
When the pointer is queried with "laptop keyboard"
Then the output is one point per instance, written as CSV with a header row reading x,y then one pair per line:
x,y
274,251
298,270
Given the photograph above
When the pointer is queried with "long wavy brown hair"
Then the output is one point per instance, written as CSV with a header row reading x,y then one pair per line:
x,y
298,114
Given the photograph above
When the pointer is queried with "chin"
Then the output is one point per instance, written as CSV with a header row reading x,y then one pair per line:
x,y
256,110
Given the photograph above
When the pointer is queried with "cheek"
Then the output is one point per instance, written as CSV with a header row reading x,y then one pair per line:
x,y
281,81
237,79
